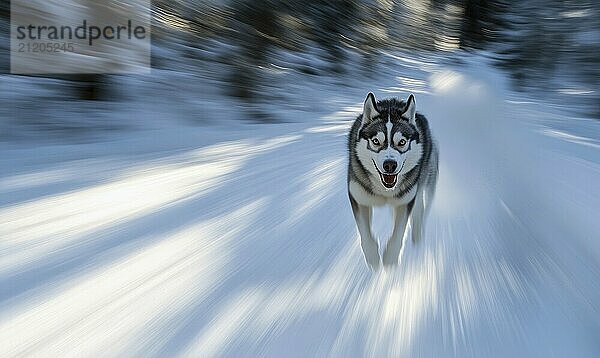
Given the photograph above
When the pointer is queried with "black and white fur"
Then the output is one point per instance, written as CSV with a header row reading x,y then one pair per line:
x,y
393,161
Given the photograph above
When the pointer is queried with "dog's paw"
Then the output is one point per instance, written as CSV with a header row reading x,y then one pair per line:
x,y
390,259
373,262
370,250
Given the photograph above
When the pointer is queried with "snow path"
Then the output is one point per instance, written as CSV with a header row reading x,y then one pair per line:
x,y
200,241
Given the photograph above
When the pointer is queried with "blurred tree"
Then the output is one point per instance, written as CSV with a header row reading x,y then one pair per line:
x,y
483,22
4,9
373,33
333,20
4,36
553,45
255,27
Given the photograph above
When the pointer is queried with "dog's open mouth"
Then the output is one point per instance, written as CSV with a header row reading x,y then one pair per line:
x,y
388,180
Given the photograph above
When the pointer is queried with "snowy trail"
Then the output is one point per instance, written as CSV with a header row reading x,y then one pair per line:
x,y
203,242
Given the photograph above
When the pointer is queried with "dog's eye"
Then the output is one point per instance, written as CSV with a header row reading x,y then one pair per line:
x,y
402,142
375,141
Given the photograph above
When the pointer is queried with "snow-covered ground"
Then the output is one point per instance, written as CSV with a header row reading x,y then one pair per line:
x,y
237,239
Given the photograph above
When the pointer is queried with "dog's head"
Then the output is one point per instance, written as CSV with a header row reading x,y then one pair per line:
x,y
388,144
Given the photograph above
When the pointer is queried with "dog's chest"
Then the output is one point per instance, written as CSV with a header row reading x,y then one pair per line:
x,y
380,197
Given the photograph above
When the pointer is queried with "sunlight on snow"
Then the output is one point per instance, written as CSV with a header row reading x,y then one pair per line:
x,y
119,299
45,225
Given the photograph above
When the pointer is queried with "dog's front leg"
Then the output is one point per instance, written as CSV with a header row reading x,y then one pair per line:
x,y
370,248
392,249
417,216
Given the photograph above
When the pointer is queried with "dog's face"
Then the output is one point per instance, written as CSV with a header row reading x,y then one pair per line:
x,y
388,141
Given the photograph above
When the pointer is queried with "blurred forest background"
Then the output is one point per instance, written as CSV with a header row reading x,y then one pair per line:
x,y
549,48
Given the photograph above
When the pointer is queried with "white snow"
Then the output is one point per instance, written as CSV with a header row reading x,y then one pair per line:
x,y
237,239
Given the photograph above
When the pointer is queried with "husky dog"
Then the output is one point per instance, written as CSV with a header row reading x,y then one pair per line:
x,y
393,161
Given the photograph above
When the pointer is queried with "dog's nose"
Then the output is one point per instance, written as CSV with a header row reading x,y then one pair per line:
x,y
390,166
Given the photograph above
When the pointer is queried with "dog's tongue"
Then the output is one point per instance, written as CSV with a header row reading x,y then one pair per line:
x,y
389,179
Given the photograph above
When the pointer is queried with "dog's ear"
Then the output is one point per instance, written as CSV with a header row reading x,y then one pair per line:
x,y
410,110
369,110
